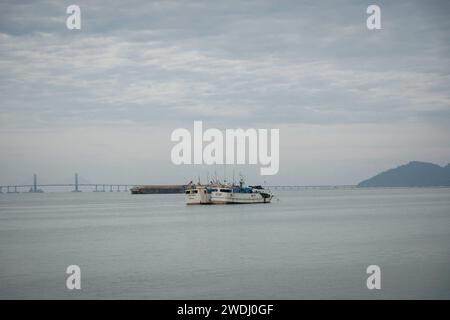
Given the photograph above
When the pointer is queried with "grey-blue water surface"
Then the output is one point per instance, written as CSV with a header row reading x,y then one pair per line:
x,y
307,244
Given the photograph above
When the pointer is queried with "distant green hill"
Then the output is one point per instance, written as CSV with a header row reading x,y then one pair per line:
x,y
413,174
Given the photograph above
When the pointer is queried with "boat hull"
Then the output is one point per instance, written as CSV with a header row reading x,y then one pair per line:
x,y
239,198
200,194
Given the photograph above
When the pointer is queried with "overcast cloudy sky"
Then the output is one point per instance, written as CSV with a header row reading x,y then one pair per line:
x,y
103,100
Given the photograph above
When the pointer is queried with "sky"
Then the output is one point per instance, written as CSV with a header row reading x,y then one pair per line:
x,y
103,100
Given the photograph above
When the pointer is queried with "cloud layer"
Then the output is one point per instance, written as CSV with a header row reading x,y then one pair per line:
x,y
255,63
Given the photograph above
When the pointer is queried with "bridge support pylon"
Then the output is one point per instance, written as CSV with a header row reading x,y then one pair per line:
x,y
76,184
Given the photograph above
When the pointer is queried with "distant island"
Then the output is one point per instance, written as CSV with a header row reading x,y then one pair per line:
x,y
413,174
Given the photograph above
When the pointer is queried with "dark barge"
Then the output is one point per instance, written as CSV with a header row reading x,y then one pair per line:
x,y
158,189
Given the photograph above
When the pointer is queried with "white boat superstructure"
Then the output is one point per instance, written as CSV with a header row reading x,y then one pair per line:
x,y
236,195
217,193
198,194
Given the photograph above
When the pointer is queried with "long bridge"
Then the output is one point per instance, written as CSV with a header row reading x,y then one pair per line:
x,y
35,187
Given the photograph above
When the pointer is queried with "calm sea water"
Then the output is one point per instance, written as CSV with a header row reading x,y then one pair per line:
x,y
308,244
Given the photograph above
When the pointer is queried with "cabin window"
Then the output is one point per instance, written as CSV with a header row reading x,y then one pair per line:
x,y
195,191
188,191
225,190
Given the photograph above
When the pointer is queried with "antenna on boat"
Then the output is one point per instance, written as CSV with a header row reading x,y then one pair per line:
x,y
241,180
225,173
215,172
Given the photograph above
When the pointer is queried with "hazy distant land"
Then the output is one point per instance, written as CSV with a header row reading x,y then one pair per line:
x,y
413,174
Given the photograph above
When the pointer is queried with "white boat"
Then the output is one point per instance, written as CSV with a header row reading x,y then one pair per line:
x,y
240,194
198,194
